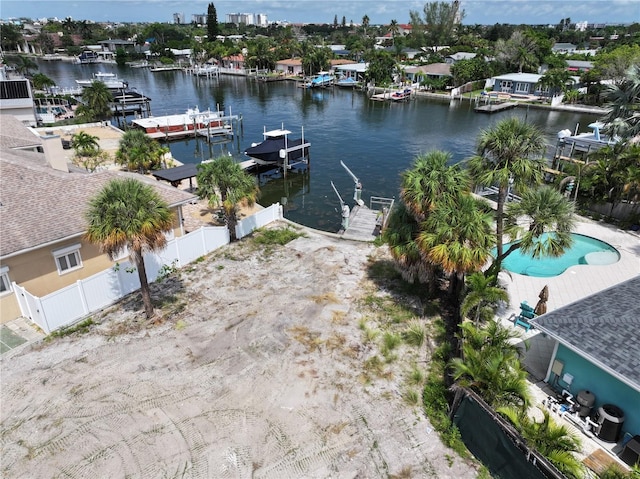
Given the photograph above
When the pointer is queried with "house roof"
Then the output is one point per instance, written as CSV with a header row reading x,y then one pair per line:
x,y
13,134
604,328
290,61
563,46
579,64
441,69
462,56
40,205
522,77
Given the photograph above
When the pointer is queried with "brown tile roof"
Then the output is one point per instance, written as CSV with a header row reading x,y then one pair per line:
x,y
13,134
290,61
39,205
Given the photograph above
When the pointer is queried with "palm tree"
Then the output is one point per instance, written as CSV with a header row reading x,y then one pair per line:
x,y
458,237
556,79
490,365
365,24
482,297
138,152
394,30
128,214
222,181
96,100
83,143
22,63
543,210
509,155
555,442
431,180
623,102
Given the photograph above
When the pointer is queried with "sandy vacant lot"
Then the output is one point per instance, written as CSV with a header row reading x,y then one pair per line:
x,y
255,369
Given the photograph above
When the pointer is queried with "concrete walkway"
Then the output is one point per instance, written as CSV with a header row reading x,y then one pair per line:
x,y
17,334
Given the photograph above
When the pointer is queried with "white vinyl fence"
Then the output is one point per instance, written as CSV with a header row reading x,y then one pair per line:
x,y
69,304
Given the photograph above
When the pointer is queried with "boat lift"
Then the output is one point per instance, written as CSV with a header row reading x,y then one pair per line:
x,y
344,208
357,193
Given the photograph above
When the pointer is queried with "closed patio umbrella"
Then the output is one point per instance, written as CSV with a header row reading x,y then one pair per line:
x,y
541,307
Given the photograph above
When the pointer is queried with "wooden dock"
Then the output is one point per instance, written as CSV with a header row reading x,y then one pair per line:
x,y
493,107
363,224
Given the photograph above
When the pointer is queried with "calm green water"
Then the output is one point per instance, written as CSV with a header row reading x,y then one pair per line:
x,y
376,140
585,250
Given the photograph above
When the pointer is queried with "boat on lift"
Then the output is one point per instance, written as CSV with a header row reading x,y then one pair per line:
x,y
277,148
111,80
322,79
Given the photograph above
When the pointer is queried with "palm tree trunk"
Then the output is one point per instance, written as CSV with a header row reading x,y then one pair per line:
x,y
144,286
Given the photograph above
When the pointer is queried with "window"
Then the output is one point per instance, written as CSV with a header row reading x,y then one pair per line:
x,y
5,283
68,259
505,86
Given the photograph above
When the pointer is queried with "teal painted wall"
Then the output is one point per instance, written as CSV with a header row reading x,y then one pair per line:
x,y
607,389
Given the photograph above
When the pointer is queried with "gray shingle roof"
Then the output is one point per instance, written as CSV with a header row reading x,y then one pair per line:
x,y
13,134
40,205
604,328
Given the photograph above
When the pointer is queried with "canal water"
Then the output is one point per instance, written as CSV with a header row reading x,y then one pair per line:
x,y
376,140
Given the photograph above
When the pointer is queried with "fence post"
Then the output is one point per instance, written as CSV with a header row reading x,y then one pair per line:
x,y
83,299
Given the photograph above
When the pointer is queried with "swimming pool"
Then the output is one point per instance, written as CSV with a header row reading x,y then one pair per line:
x,y
585,250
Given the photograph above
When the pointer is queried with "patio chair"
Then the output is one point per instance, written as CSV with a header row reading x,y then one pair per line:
x,y
526,313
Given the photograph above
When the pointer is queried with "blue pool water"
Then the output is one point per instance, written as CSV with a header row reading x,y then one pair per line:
x,y
585,250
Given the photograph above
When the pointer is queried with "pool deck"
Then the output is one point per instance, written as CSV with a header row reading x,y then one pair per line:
x,y
578,281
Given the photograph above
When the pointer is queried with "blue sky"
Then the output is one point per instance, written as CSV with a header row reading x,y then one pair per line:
x,y
321,11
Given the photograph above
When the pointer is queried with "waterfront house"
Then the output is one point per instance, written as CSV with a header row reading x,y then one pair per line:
x,y
523,84
563,48
289,66
579,66
234,62
456,57
42,249
432,71
597,349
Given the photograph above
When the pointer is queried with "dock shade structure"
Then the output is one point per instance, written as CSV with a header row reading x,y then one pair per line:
x,y
177,174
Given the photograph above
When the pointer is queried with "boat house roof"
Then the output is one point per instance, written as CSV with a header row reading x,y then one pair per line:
x,y
604,328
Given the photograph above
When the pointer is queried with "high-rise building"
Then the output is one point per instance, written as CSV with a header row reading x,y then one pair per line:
x,y
199,18
178,18
241,18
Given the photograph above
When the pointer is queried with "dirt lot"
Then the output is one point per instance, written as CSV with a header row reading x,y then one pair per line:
x,y
256,368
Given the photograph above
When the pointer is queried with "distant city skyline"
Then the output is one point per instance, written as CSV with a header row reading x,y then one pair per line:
x,y
486,12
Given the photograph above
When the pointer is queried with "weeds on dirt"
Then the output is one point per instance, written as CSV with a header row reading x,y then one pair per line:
x,y
325,298
411,397
275,236
415,334
80,328
309,339
416,377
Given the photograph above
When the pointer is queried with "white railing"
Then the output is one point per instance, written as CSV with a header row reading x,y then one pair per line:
x,y
74,302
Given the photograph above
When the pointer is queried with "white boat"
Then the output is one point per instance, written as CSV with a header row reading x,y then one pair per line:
x,y
322,79
585,142
111,80
207,70
192,122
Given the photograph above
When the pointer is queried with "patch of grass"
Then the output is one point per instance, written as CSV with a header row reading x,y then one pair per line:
x,y
370,335
405,473
389,309
416,376
79,328
309,339
415,334
391,341
180,325
362,324
335,341
411,397
338,317
325,298
275,236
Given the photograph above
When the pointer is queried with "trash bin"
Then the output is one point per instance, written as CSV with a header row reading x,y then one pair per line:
x,y
610,419
631,452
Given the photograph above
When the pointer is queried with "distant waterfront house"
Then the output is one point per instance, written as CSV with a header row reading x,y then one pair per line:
x,y
579,66
289,66
563,48
42,248
597,349
113,45
433,71
353,70
456,57
523,84
235,62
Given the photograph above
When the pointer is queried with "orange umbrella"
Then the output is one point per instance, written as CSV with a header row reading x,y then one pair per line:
x,y
541,307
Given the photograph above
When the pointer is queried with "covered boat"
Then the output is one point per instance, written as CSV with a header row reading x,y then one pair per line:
x,y
322,79
347,82
111,80
277,148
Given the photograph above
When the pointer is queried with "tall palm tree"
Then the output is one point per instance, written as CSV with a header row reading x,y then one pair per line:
x,y
129,214
556,442
509,155
490,365
458,237
623,102
541,210
96,101
481,297
224,182
431,180
83,143
365,24
394,30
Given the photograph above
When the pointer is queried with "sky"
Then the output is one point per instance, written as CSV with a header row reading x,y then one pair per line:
x,y
486,12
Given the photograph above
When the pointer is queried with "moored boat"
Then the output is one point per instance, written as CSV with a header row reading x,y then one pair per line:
x,y
111,80
192,122
322,79
347,82
400,95
278,149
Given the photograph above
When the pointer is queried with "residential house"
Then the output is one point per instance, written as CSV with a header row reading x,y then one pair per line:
x,y
597,349
42,205
579,66
290,66
456,57
432,71
563,48
353,70
16,98
113,45
235,62
522,84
